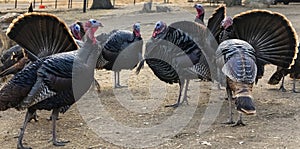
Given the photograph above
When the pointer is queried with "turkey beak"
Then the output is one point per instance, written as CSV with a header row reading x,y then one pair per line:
x,y
155,32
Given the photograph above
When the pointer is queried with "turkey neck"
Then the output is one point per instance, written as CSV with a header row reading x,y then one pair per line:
x,y
90,52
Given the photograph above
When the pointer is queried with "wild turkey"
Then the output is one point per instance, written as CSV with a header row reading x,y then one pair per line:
x,y
238,63
122,50
77,30
51,82
280,73
200,14
274,41
174,57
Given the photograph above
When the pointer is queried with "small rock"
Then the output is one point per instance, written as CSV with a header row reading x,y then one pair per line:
x,y
241,142
162,9
205,143
147,7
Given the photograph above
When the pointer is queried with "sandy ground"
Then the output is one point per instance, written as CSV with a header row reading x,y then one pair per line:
x,y
135,116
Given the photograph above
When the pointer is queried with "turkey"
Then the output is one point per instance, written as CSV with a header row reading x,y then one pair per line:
x,y
174,57
200,13
77,30
280,73
52,82
238,63
122,50
214,21
273,40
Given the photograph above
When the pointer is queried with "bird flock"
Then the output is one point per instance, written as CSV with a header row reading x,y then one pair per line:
x,y
51,58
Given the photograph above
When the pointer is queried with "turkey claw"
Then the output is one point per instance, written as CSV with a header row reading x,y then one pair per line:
x,y
239,123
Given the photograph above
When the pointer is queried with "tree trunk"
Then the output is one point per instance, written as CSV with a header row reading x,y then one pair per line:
x,y
102,4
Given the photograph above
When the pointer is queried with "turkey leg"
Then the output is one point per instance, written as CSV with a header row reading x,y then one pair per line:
x,y
229,94
178,100
20,138
281,88
185,92
54,139
294,84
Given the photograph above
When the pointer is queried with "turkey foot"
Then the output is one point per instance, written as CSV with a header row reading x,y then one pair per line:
x,y
281,88
229,122
50,118
185,100
34,117
173,105
239,123
20,146
294,91
58,143
120,86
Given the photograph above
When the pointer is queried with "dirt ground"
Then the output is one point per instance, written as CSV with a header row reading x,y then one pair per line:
x,y
135,116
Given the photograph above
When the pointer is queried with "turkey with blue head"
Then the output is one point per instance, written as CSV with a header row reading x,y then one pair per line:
x,y
200,13
54,81
174,57
121,50
265,37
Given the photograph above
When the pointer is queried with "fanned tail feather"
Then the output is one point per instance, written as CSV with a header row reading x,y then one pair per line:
x,y
214,22
271,35
41,34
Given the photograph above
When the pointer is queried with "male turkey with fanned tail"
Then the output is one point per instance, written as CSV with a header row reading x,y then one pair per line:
x,y
265,38
53,81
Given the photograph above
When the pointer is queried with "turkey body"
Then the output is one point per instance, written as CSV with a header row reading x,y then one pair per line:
x,y
55,65
121,50
238,62
174,57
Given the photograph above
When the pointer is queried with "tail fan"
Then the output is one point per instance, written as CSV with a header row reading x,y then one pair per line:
x,y
214,22
270,34
41,34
